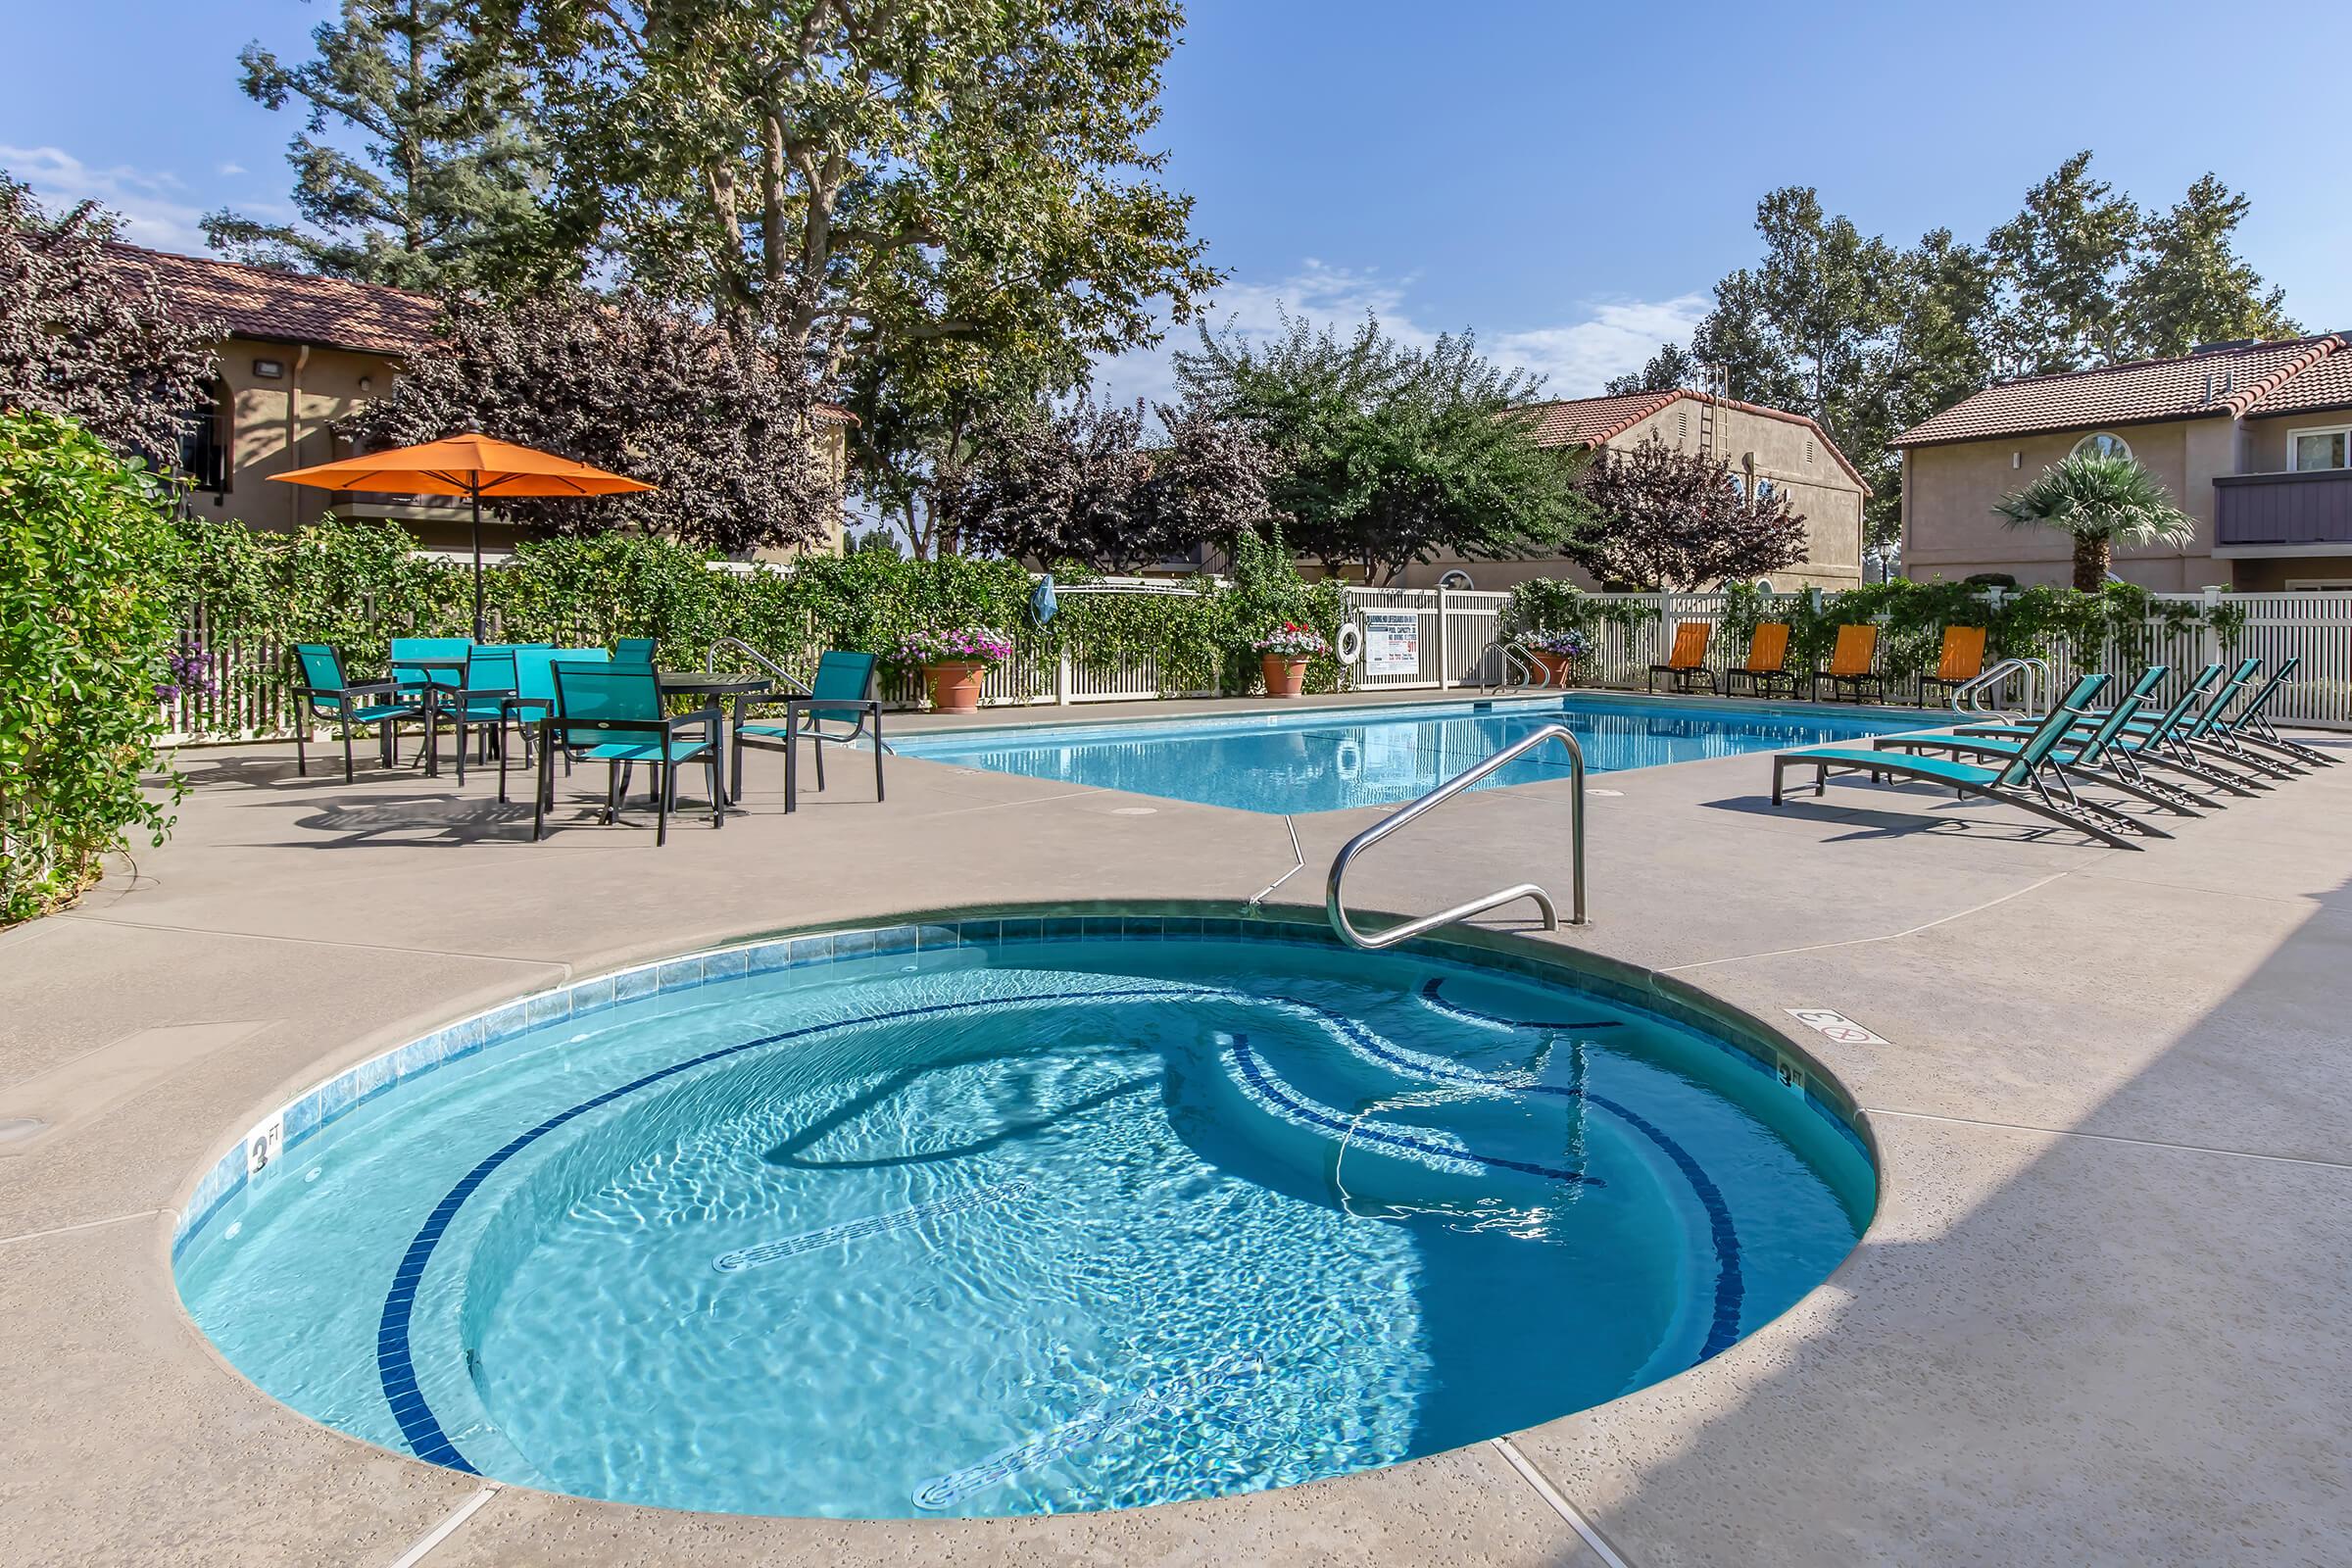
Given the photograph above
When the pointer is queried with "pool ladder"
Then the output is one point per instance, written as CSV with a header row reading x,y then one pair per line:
x,y
1514,670
1334,894
2042,687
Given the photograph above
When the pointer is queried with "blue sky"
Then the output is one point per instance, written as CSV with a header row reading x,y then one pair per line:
x,y
1567,179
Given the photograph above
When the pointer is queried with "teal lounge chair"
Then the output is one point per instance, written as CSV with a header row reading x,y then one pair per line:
x,y
845,692
325,693
2251,726
2024,781
2095,755
534,698
611,713
2172,741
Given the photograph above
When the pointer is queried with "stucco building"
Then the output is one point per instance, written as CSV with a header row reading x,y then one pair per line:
x,y
2251,438
301,353
1759,447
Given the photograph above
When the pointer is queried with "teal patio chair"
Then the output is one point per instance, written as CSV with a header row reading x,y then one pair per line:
x,y
2176,740
611,713
846,691
2250,727
323,692
534,698
633,650
2101,755
478,704
2024,781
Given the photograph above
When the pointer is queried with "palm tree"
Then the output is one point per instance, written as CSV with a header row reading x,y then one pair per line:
x,y
2099,501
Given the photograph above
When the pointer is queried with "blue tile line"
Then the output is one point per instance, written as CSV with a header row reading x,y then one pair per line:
x,y
765,1252
1730,1289
1429,994
395,1366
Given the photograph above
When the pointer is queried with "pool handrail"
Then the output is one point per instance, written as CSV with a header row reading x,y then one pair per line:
x,y
2038,679
1334,893
710,662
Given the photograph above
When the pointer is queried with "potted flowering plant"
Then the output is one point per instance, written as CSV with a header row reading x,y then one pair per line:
x,y
1559,652
1283,654
954,663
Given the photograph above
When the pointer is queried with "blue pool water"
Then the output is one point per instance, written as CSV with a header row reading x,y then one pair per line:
x,y
1055,1216
1331,759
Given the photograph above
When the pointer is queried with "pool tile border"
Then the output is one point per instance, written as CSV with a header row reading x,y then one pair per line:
x,y
274,1139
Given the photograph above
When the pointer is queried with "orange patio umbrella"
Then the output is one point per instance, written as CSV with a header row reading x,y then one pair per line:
x,y
468,464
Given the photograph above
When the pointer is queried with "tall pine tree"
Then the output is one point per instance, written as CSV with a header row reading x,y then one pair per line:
x,y
442,193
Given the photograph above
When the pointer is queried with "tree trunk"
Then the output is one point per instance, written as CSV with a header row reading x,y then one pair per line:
x,y
2091,557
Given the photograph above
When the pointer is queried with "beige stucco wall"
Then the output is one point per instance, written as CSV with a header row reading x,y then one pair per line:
x,y
1950,531
2266,439
1782,450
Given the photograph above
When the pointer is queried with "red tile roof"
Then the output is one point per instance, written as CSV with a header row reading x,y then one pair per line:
x,y
258,302
1597,421
2254,379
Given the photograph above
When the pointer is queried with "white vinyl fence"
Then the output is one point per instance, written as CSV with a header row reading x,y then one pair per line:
x,y
1438,639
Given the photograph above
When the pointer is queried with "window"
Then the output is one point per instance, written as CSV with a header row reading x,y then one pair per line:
x,y
1765,491
204,445
1738,484
2308,450
2102,444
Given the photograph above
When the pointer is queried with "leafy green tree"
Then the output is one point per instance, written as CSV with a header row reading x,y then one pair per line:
x,y
726,433
91,336
2063,259
1389,455
864,174
2187,284
2099,503
445,194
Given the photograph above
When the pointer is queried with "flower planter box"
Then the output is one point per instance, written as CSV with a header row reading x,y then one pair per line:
x,y
1560,669
954,687
1285,677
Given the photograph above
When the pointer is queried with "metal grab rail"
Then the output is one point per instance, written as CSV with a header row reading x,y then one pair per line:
x,y
1517,670
2040,681
1334,901
710,662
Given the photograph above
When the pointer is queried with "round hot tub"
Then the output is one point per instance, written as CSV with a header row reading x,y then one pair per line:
x,y
1020,1215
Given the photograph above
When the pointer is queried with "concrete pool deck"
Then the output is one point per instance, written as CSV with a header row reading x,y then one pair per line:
x,y
2102,1314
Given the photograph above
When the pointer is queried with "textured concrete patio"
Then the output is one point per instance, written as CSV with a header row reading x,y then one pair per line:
x,y
2101,1315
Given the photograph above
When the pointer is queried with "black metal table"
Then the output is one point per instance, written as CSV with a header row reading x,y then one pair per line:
x,y
429,696
722,686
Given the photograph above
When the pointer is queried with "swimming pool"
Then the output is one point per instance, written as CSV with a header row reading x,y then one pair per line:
x,y
1331,759
1020,1215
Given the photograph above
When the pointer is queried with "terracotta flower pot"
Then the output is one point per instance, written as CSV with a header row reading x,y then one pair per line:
x,y
954,687
1560,669
1285,677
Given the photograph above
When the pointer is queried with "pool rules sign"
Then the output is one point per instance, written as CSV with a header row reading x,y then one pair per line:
x,y
1392,642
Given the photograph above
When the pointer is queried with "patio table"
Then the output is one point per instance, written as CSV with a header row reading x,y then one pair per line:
x,y
722,686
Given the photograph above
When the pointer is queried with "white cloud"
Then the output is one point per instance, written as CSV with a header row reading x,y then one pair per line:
x,y
230,170
153,204
1610,338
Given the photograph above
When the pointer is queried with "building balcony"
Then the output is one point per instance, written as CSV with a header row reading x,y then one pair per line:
x,y
2284,513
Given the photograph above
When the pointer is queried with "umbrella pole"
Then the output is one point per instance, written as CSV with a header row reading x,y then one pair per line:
x,y
477,492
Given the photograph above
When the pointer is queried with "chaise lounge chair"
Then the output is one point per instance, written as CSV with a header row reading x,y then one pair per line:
x,y
1687,664
1767,662
2178,739
2026,781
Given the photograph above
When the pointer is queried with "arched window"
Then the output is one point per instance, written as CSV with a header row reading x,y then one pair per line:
x,y
2103,444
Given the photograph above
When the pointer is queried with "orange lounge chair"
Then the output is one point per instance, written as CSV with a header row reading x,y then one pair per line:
x,y
1850,665
1688,663
1767,655
1963,661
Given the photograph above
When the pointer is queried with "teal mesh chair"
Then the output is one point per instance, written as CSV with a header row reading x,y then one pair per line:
x,y
611,713
479,703
633,650
534,699
325,693
412,676
845,692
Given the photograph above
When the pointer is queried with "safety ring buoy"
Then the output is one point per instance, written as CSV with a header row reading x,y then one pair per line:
x,y
1351,644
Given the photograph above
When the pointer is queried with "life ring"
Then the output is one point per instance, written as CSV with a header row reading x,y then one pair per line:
x,y
1351,644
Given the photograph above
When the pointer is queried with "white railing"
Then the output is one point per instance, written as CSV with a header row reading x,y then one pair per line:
x,y
1438,639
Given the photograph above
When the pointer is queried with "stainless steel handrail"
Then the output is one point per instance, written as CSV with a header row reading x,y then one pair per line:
x,y
1334,899
711,661
1518,670
2040,686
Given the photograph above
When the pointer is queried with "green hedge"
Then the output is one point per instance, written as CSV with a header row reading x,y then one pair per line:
x,y
87,635
356,584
